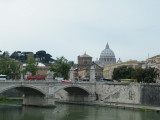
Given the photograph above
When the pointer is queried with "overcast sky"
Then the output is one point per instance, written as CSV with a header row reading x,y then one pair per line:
x,y
71,27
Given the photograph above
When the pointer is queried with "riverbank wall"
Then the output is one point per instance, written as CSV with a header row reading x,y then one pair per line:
x,y
115,105
135,96
134,93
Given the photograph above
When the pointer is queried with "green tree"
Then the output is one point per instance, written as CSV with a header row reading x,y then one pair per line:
x,y
150,75
40,55
16,55
31,66
9,67
61,68
43,57
123,72
139,74
14,70
5,53
147,75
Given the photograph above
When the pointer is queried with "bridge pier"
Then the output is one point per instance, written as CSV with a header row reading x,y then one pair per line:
x,y
81,98
39,101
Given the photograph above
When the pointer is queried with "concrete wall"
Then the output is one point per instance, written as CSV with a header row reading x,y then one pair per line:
x,y
119,93
135,93
150,95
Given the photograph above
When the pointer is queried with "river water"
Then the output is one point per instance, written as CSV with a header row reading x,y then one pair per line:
x,y
15,111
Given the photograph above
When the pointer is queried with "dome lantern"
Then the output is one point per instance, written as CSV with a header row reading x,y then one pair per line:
x,y
107,46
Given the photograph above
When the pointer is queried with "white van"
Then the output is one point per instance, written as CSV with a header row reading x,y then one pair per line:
x,y
59,79
3,77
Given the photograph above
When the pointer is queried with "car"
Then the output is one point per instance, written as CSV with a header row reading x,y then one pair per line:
x,y
105,80
66,81
3,77
59,79
83,79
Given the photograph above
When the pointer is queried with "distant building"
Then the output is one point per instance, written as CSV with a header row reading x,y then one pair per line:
x,y
84,61
42,69
153,62
84,65
108,71
107,57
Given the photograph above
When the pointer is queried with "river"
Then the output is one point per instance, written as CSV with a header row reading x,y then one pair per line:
x,y
15,111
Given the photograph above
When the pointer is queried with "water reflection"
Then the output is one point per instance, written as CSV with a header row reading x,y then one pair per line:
x,y
9,112
72,112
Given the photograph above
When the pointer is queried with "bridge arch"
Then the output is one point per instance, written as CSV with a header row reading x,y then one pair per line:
x,y
69,88
23,88
74,93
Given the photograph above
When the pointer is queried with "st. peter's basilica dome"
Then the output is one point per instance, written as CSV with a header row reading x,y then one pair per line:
x,y
107,52
107,57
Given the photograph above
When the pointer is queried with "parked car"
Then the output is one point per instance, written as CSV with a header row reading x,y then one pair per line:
x,y
3,77
59,79
105,80
83,79
66,81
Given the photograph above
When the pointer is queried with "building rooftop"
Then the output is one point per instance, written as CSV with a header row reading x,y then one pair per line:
x,y
85,55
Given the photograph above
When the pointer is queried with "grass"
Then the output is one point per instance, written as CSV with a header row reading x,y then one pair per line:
x,y
144,109
5,99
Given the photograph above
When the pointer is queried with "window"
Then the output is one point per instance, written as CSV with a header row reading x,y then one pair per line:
x,y
85,62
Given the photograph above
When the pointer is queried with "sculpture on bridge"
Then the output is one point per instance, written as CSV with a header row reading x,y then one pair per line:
x,y
92,73
50,75
72,74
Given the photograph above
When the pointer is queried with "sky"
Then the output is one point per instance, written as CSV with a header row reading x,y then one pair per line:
x,y
70,28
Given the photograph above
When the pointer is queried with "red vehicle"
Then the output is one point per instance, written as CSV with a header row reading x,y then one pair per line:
x,y
35,78
66,81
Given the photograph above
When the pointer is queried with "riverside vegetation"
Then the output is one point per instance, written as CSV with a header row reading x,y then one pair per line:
x,y
6,99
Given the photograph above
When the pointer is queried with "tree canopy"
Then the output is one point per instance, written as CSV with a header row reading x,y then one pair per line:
x,y
122,72
9,68
20,56
146,75
31,66
43,57
61,68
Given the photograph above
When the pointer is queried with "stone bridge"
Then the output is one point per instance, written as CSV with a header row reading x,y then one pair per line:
x,y
45,93
42,93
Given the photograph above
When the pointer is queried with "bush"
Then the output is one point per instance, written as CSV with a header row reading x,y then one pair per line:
x,y
2,98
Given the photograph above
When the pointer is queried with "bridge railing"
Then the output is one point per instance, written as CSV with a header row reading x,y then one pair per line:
x,y
38,81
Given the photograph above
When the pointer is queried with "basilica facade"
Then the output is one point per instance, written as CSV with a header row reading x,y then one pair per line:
x,y
107,57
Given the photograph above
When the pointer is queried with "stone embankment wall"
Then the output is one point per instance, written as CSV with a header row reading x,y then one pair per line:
x,y
134,93
150,94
